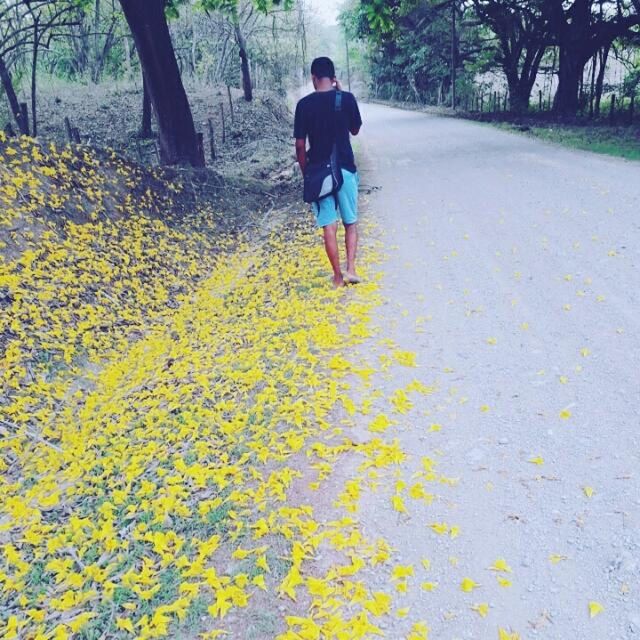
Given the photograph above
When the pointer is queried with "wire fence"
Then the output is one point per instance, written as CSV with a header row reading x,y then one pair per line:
x,y
614,109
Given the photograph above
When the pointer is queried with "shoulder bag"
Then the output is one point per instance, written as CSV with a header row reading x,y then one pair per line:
x,y
324,179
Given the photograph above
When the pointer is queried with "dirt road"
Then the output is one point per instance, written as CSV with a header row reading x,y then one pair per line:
x,y
512,273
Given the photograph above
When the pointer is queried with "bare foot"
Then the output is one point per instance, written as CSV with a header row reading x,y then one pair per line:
x,y
338,281
352,278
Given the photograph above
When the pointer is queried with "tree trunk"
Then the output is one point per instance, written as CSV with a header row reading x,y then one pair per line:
x,y
518,100
521,70
14,105
146,130
95,73
244,63
127,57
602,55
194,48
412,84
176,131
566,101
520,86
34,77
592,84
102,50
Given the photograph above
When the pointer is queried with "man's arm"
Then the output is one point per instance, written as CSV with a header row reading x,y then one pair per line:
x,y
355,123
300,134
301,153
355,120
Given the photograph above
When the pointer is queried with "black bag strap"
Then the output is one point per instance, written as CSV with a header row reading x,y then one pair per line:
x,y
337,108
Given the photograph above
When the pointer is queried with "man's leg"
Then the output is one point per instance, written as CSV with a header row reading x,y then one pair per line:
x,y
351,243
348,202
330,232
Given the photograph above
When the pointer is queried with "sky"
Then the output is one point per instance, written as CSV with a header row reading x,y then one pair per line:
x,y
327,9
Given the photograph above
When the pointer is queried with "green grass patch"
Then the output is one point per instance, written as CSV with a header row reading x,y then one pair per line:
x,y
623,142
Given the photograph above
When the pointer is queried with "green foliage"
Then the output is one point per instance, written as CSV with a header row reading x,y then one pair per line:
x,y
230,7
409,47
631,84
380,16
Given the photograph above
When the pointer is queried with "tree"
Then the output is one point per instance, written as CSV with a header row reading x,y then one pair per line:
x,y
580,29
242,16
176,131
147,20
244,58
523,34
602,55
25,27
14,105
412,51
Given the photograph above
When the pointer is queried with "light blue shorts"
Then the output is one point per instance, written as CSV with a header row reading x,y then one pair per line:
x,y
327,213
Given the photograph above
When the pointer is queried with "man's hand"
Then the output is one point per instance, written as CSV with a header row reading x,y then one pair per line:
x,y
337,84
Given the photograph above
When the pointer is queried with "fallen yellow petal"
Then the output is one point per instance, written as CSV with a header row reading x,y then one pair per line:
x,y
503,634
556,557
468,585
481,608
500,565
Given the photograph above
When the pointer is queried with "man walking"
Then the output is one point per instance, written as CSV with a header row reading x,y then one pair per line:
x,y
318,120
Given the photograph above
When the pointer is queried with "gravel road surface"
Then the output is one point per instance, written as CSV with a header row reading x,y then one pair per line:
x,y
512,271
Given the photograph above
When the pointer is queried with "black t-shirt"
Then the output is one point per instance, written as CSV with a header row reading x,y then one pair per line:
x,y
316,118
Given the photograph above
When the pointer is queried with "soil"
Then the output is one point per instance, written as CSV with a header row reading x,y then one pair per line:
x,y
256,138
253,168
508,273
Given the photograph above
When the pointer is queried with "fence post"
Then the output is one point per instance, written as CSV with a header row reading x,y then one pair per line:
x,y
224,134
68,129
212,139
631,106
482,103
200,138
612,108
231,104
24,116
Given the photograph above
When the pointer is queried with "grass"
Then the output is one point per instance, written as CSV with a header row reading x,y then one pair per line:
x,y
623,142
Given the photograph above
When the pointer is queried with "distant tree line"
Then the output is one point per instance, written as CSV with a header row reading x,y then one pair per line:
x,y
429,49
227,41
